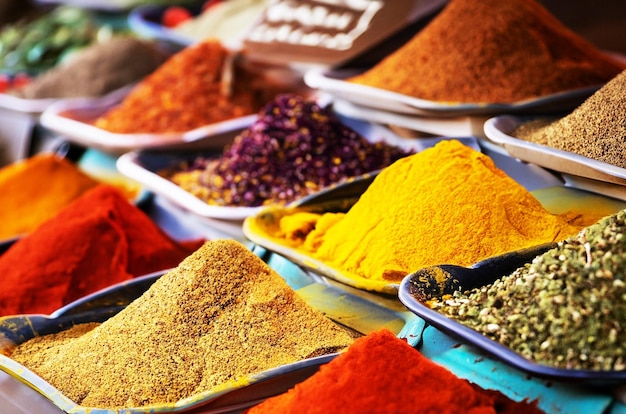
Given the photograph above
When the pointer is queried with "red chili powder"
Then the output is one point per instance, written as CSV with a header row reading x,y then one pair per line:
x,y
184,93
491,51
380,373
99,240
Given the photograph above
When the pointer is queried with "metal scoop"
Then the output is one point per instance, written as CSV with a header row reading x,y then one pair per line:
x,y
435,281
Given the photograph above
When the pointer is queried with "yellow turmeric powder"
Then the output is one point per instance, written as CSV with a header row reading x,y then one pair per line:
x,y
447,204
35,189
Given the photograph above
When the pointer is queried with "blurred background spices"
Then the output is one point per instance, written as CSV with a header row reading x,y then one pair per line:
x,y
97,70
295,148
98,240
186,92
492,51
222,315
380,373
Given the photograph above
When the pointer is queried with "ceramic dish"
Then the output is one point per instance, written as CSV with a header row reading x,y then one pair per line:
x,y
334,83
500,128
143,167
146,21
487,272
458,126
74,121
351,311
38,106
103,5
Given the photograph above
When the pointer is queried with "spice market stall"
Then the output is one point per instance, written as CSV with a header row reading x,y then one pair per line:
x,y
295,206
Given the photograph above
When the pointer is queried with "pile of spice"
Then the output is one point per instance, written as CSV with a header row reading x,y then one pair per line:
x,y
295,148
35,189
97,70
446,204
186,92
596,129
98,240
565,309
491,52
380,373
222,315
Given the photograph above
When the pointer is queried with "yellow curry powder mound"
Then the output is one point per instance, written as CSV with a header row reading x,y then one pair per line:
x,y
446,204
220,316
35,189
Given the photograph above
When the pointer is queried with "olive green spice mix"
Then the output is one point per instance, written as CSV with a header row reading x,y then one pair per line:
x,y
565,309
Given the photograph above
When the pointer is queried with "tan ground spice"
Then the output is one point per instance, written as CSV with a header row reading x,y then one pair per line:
x,y
220,316
489,51
596,129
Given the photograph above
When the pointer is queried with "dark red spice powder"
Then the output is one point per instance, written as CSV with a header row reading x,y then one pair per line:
x,y
380,373
99,240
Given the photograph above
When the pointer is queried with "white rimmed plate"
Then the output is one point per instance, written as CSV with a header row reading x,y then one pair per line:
x,y
334,82
499,130
37,106
143,167
74,121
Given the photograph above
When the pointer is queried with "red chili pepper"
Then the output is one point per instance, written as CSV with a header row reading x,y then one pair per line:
x,y
175,15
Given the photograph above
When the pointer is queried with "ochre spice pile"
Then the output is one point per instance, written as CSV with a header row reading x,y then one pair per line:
x,y
446,204
96,241
220,316
294,149
380,373
491,51
35,189
596,129
184,93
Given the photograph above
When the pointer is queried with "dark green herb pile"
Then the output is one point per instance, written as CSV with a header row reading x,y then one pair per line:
x,y
565,309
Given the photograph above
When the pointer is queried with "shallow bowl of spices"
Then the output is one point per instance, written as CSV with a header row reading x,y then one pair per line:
x,y
357,314
502,130
428,290
75,120
148,166
336,83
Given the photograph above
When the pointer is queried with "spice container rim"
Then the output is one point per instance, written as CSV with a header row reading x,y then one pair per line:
x,y
145,21
334,83
498,130
38,106
495,349
204,399
71,119
131,165
253,229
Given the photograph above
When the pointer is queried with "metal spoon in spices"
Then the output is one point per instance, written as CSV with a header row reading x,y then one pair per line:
x,y
433,282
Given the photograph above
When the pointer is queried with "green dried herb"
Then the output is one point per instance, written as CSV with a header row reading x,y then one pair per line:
x,y
565,309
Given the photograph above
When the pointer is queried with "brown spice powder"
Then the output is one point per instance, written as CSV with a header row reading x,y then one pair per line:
x,y
220,316
596,129
490,51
